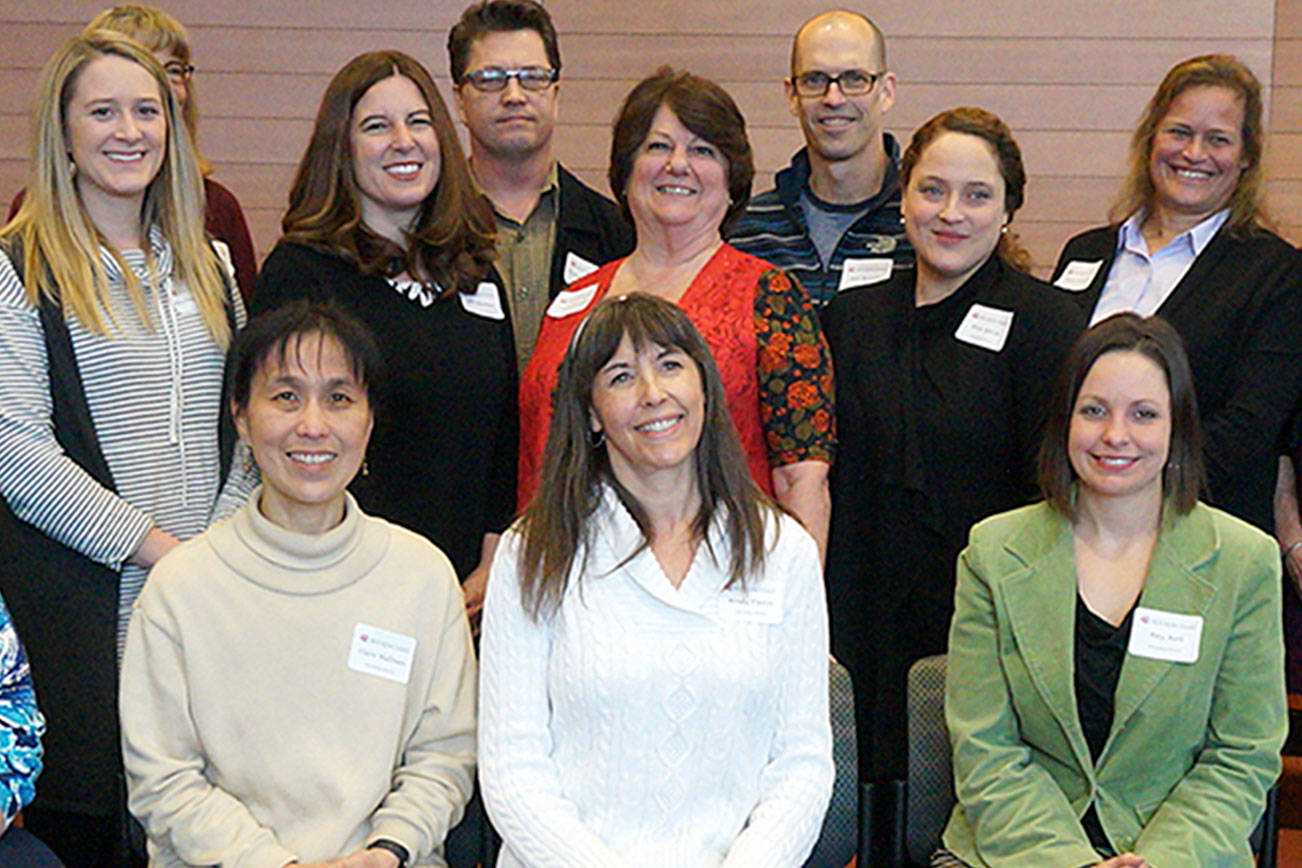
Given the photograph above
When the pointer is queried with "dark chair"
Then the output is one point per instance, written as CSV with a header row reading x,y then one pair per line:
x,y
930,793
838,842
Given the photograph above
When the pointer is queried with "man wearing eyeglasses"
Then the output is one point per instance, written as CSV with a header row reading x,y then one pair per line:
x,y
551,228
833,219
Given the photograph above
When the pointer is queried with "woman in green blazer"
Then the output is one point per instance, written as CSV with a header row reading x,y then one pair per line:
x,y
1116,686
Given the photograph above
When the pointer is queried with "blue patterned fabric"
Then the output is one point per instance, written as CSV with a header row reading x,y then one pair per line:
x,y
21,724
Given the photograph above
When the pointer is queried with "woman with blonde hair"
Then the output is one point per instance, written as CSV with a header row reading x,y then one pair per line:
x,y
1189,240
167,39
115,315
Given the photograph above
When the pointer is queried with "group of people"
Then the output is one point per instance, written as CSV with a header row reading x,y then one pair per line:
x,y
676,447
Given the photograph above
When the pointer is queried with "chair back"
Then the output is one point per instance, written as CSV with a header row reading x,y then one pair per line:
x,y
838,842
930,796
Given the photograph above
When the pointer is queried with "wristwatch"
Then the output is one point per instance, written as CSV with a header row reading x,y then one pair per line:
x,y
393,847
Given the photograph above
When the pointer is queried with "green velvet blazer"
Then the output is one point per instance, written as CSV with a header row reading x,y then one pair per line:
x,y
1193,747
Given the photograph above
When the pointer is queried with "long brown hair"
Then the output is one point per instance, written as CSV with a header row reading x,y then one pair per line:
x,y
451,241
557,526
1008,156
1246,203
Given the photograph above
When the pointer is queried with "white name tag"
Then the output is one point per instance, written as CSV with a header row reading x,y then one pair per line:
x,y
185,304
577,268
571,301
864,272
485,301
985,327
376,651
753,605
1078,275
1165,635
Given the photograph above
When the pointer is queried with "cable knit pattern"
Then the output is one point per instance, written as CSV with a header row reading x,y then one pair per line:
x,y
648,725
249,738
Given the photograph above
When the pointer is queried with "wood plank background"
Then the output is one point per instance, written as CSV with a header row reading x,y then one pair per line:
x,y
1070,77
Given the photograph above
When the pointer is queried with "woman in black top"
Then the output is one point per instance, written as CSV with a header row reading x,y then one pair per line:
x,y
383,218
941,381
1189,240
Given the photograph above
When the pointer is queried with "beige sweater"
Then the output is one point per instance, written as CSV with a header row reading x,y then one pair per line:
x,y
260,722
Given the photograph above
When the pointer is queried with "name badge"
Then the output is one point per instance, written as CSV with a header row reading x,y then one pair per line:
x,y
1165,635
185,304
380,652
577,268
485,301
985,327
864,272
1078,275
571,301
753,605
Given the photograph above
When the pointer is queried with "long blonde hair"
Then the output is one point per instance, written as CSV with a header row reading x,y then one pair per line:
x,y
1246,202
61,245
161,34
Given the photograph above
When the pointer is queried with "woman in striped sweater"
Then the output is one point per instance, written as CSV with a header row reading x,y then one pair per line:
x,y
115,316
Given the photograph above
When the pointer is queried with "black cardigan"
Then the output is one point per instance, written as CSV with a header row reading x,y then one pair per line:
x,y
1239,312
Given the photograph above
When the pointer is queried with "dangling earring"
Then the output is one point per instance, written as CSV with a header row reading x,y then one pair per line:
x,y
366,468
597,438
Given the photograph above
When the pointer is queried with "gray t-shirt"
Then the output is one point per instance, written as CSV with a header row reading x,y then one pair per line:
x,y
828,222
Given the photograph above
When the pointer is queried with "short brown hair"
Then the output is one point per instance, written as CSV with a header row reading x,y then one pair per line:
x,y
1008,156
1155,339
451,241
1247,208
499,16
704,108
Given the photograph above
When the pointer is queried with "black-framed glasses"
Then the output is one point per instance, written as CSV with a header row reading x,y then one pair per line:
x,y
853,82
177,71
493,78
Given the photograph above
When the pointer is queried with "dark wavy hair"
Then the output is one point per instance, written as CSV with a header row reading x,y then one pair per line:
x,y
557,525
499,16
1008,156
1155,339
451,241
704,108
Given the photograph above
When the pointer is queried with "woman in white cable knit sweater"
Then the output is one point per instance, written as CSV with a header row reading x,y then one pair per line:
x,y
654,684
298,683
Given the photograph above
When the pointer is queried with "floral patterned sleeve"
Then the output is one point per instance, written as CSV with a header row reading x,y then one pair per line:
x,y
795,373
21,724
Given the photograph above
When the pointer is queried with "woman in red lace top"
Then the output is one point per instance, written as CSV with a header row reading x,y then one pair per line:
x,y
681,169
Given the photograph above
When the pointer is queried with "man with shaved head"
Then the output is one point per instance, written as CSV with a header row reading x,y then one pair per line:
x,y
833,219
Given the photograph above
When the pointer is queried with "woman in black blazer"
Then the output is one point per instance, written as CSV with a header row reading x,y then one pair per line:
x,y
1190,242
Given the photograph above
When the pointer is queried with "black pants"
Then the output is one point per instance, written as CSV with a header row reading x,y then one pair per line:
x,y
84,840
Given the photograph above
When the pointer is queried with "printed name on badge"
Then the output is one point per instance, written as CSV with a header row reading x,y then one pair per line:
x,y
577,268
380,652
753,605
485,301
571,301
1168,636
1078,275
864,272
985,327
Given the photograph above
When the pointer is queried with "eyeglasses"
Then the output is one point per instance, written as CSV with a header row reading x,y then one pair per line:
x,y
494,78
853,82
177,71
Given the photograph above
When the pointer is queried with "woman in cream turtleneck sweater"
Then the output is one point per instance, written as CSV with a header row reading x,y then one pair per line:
x,y
298,684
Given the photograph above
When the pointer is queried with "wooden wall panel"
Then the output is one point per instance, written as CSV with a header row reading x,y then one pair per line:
x,y
1070,84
